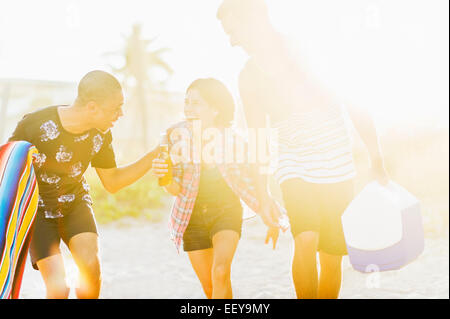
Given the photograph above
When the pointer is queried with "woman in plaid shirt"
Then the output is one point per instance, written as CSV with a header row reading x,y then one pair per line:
x,y
209,186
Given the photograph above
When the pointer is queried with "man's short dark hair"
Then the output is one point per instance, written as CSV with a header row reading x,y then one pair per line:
x,y
97,86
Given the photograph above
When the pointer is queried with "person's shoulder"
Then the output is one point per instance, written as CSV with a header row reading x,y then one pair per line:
x,y
249,66
29,125
107,134
38,116
291,53
249,73
180,124
44,111
47,112
105,137
178,130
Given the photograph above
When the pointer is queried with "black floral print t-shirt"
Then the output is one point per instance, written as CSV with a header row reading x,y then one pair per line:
x,y
62,159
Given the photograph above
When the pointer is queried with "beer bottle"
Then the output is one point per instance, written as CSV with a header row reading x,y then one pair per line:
x,y
164,154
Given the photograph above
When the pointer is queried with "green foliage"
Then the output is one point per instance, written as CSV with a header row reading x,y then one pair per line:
x,y
143,199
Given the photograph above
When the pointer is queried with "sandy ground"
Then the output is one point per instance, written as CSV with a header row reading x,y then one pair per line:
x,y
139,261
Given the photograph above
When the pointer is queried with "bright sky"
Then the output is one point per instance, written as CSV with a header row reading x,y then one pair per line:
x,y
389,56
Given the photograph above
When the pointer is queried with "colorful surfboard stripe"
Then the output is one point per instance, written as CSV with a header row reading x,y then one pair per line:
x,y
18,206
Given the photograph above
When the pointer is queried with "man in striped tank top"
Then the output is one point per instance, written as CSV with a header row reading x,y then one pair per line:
x,y
315,166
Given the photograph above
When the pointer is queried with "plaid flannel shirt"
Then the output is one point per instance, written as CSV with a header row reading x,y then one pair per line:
x,y
187,175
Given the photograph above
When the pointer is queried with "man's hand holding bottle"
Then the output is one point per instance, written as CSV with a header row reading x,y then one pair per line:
x,y
162,166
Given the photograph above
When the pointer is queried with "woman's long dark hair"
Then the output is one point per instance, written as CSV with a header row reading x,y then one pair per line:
x,y
216,94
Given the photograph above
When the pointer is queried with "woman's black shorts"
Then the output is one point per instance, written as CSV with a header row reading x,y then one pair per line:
x,y
207,220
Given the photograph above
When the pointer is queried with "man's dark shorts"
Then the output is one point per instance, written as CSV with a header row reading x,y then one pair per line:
x,y
318,208
48,232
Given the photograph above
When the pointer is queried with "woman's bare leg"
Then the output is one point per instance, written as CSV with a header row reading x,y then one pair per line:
x,y
224,246
201,261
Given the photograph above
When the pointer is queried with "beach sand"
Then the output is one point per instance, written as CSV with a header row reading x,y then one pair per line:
x,y
140,261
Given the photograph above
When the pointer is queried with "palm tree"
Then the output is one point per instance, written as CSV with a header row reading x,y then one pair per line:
x,y
137,71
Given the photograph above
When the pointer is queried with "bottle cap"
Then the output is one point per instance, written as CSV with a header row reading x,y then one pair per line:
x,y
164,139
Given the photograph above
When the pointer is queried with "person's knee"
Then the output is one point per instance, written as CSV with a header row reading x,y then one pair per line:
x,y
90,279
221,271
89,263
307,241
91,272
84,249
330,263
57,289
53,274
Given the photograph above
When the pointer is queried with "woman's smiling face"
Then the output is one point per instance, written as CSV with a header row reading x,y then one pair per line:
x,y
195,107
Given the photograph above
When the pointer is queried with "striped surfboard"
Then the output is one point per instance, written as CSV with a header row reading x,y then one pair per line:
x,y
18,206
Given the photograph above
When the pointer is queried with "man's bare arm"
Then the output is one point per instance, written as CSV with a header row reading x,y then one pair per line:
x,y
114,179
365,127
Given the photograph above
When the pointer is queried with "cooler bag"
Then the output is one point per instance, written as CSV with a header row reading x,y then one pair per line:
x,y
383,228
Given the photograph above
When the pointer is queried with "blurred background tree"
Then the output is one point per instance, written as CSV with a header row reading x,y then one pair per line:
x,y
4,98
144,72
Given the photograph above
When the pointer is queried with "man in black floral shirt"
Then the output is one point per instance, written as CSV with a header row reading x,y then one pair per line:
x,y
69,138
